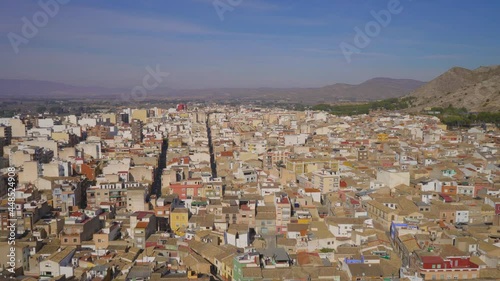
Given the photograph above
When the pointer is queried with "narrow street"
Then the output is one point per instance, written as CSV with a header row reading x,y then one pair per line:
x,y
162,163
213,165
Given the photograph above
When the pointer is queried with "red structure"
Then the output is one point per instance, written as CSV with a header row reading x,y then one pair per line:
x,y
186,191
181,107
452,267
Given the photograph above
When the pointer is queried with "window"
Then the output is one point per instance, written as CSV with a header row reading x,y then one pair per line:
x,y
74,240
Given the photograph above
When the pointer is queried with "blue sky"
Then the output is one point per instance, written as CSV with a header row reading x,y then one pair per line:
x,y
286,43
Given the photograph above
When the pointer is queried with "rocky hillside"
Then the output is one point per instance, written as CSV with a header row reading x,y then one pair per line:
x,y
476,90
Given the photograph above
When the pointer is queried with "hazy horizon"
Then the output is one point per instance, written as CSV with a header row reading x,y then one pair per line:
x,y
278,44
126,87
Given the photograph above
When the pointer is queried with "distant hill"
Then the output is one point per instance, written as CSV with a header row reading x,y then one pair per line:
x,y
476,90
373,89
14,88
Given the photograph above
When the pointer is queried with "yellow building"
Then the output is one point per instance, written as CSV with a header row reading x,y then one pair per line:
x,y
326,181
140,114
387,210
382,137
309,165
174,142
60,136
179,219
304,220
183,114
109,116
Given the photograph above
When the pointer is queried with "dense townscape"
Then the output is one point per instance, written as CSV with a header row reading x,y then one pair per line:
x,y
244,193
249,140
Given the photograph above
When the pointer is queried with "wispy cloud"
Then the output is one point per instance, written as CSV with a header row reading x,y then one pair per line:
x,y
320,51
115,21
299,21
441,57
259,5
250,4
333,51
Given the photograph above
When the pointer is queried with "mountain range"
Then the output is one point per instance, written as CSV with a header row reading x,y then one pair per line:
x,y
476,90
373,89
